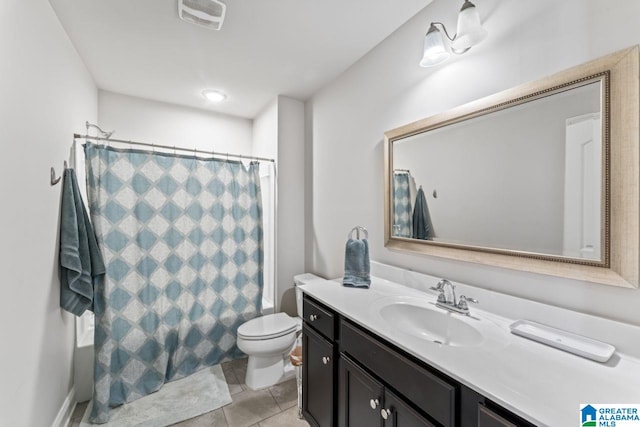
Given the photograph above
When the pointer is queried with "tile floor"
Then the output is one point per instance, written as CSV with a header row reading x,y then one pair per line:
x,y
272,407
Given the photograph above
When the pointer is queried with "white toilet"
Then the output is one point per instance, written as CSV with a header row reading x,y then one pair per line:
x,y
267,341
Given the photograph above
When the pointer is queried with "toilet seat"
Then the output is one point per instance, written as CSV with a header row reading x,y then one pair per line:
x,y
267,327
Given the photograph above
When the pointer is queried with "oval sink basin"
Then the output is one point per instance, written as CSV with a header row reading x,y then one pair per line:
x,y
432,324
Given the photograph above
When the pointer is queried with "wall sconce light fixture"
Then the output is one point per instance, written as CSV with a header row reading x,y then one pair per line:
x,y
469,33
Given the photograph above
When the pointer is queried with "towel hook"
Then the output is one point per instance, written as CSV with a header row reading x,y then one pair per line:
x,y
358,229
55,180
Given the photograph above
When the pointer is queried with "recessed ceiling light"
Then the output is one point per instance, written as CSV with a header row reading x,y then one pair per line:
x,y
214,95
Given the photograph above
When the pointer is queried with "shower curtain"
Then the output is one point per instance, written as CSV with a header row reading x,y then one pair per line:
x,y
182,242
401,205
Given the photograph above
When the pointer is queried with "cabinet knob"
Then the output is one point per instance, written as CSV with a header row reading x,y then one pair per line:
x,y
326,359
313,317
385,413
374,403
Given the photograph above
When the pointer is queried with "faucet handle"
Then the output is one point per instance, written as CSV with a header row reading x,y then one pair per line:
x,y
440,290
443,297
441,284
462,304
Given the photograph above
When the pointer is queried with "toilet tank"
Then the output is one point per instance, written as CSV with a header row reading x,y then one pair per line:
x,y
299,280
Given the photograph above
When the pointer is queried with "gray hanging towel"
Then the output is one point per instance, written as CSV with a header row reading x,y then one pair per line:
x,y
81,263
421,229
356,264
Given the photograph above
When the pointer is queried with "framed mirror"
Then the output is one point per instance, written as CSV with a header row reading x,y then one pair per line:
x,y
542,177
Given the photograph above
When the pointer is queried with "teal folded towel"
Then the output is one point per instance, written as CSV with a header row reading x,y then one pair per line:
x,y
356,264
81,263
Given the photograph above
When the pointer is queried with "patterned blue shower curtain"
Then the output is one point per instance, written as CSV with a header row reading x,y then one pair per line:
x,y
182,242
401,205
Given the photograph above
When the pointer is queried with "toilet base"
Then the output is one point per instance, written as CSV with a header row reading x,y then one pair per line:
x,y
266,371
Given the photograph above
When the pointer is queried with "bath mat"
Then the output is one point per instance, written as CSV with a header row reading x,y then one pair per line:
x,y
179,400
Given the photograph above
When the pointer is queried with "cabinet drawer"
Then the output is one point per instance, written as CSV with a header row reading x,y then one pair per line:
x,y
488,418
433,395
320,318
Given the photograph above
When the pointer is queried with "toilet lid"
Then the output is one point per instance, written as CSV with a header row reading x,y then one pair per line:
x,y
269,326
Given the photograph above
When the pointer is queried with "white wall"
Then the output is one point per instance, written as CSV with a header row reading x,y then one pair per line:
x,y
265,144
278,133
291,213
156,122
386,89
265,132
47,94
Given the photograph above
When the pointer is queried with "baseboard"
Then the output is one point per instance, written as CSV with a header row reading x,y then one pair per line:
x,y
65,412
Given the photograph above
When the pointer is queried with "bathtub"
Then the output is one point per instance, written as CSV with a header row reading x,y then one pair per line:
x,y
83,357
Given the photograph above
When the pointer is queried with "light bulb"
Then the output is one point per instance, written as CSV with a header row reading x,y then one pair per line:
x,y
469,32
214,95
434,51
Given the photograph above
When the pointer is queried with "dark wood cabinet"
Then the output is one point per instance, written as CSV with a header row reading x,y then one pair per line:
x,y
433,394
360,397
318,374
488,418
363,401
353,378
319,318
400,414
319,364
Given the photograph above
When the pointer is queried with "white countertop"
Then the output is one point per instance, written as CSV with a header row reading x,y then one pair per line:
x,y
541,384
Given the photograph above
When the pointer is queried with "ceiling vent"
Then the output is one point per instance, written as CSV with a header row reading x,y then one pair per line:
x,y
206,13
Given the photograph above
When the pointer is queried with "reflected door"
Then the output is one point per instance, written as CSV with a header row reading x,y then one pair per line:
x,y
582,191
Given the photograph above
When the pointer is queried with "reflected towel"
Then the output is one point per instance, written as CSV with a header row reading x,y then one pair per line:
x,y
356,264
421,229
81,263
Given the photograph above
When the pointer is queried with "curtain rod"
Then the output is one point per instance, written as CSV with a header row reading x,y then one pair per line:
x,y
167,147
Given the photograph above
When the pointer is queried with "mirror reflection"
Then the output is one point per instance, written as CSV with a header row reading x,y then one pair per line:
x,y
526,178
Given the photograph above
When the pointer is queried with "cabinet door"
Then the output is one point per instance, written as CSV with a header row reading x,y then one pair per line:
x,y
424,389
397,413
318,378
359,397
488,418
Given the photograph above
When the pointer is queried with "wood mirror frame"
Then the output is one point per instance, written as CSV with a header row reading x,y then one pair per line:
x,y
622,236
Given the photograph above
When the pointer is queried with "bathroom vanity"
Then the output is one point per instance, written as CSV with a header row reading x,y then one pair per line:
x,y
367,362
353,377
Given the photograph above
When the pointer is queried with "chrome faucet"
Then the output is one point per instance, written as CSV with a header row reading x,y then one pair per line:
x,y
443,297
447,300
